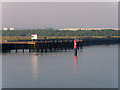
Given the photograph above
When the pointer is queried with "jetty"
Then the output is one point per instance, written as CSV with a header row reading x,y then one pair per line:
x,y
46,45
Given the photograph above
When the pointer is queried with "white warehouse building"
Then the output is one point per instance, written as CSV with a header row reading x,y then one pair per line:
x,y
5,28
12,28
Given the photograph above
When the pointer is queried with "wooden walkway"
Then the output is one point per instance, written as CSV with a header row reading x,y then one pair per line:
x,y
33,43
42,45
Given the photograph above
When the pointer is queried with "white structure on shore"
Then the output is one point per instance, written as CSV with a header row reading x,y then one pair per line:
x,y
5,28
8,29
75,29
71,29
12,28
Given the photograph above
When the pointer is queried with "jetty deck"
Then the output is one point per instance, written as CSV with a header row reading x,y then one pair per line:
x,y
18,43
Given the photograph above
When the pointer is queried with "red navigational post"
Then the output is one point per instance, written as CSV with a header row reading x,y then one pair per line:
x,y
75,47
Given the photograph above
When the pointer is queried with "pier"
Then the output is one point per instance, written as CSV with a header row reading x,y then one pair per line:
x,y
46,45
39,45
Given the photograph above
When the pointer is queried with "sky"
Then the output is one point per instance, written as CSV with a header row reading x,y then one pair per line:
x,y
59,0
38,15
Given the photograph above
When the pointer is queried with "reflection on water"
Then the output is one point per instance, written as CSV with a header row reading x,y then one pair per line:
x,y
34,63
75,64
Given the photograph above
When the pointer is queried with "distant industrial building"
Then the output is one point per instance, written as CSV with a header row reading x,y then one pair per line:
x,y
71,29
75,29
12,28
8,29
5,28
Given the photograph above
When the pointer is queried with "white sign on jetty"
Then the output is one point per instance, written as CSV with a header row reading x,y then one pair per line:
x,y
34,36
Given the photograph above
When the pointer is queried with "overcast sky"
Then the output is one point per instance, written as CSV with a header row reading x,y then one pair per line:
x,y
60,14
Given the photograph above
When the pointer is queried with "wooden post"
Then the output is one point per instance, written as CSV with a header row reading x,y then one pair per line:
x,y
15,48
50,49
34,47
75,51
9,50
23,48
37,47
29,48
45,49
46,45
41,46
81,44
41,49
54,45
78,45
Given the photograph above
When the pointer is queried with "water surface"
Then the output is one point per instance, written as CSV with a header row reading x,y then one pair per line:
x,y
94,67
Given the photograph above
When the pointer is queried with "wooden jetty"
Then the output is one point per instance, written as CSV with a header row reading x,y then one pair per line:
x,y
41,45
53,44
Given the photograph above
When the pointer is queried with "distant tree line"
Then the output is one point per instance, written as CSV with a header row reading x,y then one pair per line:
x,y
45,32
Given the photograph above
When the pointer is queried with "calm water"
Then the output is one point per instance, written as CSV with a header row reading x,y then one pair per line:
x,y
94,67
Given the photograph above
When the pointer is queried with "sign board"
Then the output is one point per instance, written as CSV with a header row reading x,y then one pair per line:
x,y
34,36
